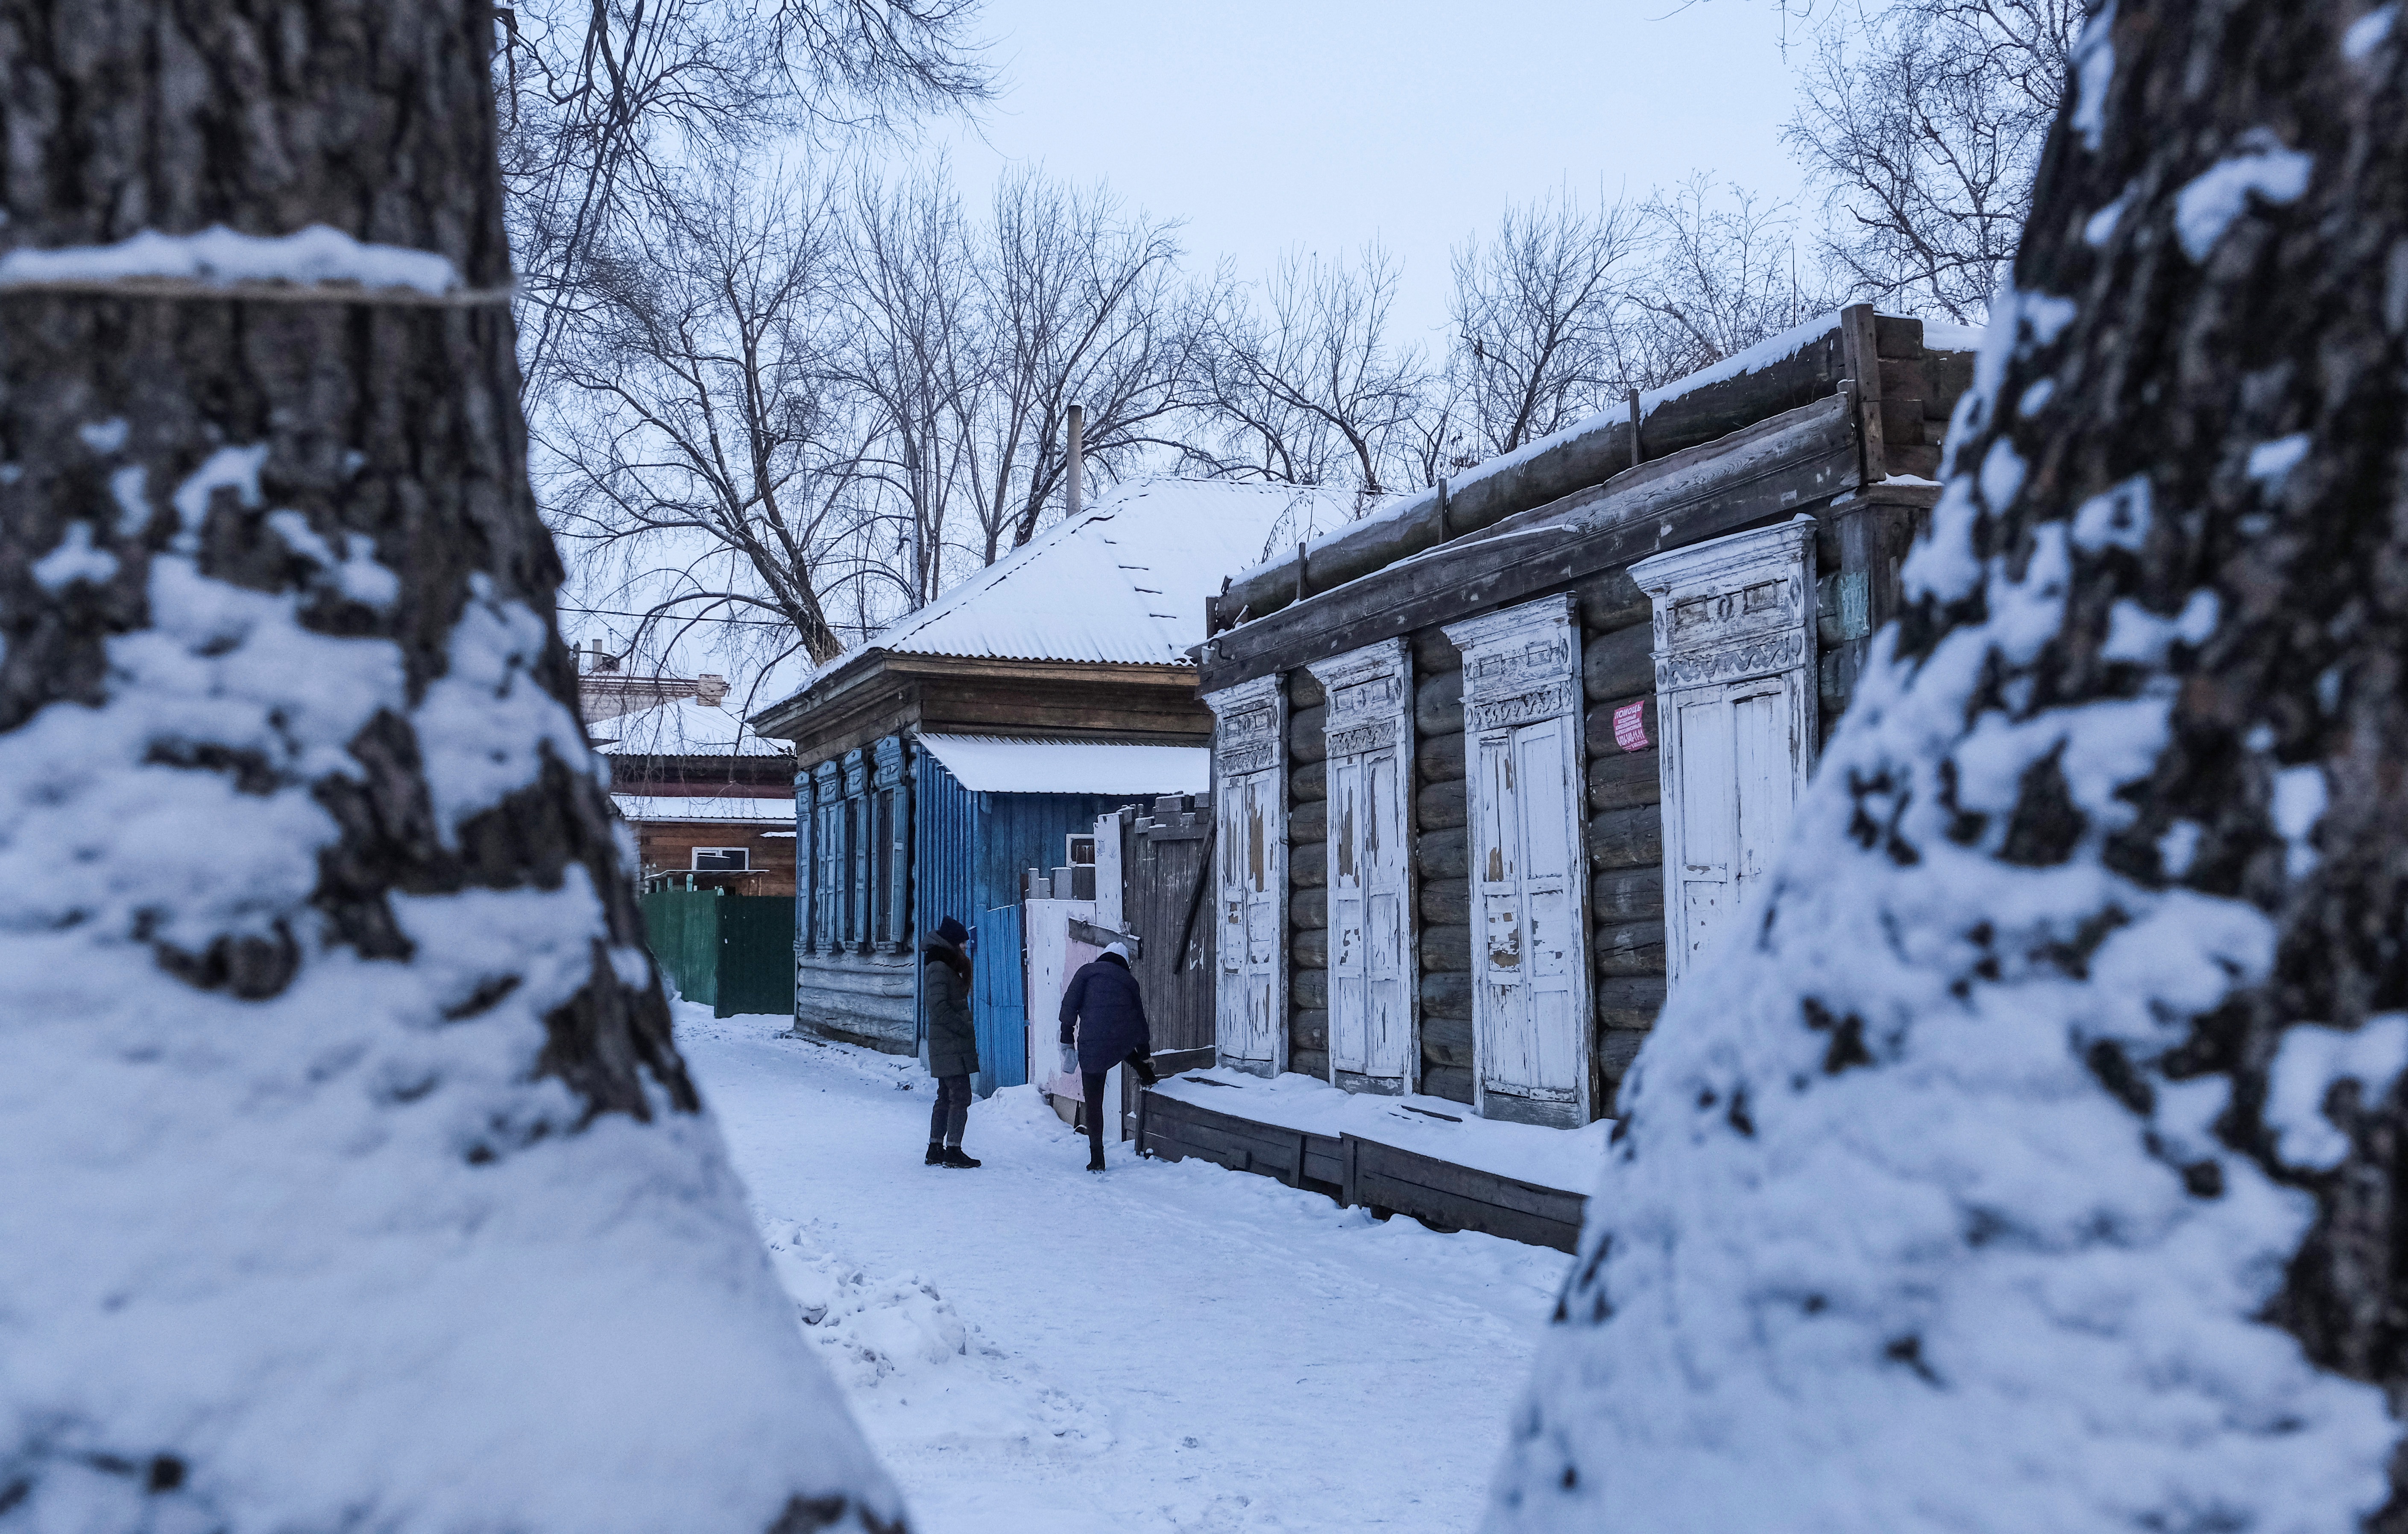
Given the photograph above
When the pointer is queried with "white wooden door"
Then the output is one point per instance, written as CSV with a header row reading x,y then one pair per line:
x,y
1251,873
1370,1006
1526,857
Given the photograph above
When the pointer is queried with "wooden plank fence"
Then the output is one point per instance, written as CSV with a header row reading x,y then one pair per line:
x,y
1356,1171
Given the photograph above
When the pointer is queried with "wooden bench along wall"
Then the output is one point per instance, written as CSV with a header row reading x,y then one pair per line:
x,y
1363,1173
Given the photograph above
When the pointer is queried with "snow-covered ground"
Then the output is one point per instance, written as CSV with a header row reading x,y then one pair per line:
x,y
1164,1347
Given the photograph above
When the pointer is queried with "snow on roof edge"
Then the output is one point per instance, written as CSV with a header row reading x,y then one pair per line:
x,y
1763,354
1001,763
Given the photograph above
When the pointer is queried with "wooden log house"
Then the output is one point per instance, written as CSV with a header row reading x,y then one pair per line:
x,y
964,744
708,799
1496,769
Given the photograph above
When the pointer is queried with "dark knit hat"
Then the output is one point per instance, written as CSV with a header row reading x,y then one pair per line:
x,y
952,932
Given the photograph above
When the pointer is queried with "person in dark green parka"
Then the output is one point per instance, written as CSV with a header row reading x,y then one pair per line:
x,y
953,1044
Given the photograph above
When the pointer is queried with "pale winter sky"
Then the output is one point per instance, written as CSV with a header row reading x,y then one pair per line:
x,y
1320,124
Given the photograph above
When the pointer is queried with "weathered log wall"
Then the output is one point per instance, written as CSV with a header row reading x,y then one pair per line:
x,y
1626,830
1307,878
1859,547
1441,867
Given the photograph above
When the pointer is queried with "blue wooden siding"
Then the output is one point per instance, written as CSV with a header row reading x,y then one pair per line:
x,y
944,839
970,853
999,1010
1024,831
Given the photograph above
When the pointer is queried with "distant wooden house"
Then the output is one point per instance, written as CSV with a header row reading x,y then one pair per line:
x,y
1497,767
711,803
979,738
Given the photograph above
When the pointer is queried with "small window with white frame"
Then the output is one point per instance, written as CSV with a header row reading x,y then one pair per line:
x,y
1078,850
723,859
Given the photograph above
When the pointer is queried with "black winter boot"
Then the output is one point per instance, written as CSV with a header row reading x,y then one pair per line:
x,y
1095,1159
953,1158
936,1154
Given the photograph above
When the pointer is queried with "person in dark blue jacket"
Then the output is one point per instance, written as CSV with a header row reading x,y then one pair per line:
x,y
1105,1014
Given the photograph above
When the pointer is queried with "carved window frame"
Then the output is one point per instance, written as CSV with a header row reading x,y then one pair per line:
x,y
828,847
859,834
1521,667
1370,710
891,854
1249,742
1709,634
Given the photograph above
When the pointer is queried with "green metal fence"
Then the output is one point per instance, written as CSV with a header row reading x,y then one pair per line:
x,y
731,953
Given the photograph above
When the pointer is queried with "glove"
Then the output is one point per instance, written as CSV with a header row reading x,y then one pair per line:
x,y
1146,1071
1070,1062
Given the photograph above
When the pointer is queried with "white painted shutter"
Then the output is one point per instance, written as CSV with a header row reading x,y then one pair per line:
x,y
1346,915
1547,792
1368,725
1735,683
1383,845
1532,1046
1502,1047
1250,874
1264,884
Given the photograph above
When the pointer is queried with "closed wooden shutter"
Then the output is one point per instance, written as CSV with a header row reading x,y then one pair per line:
x,y
1532,1051
1250,874
1735,689
1373,1042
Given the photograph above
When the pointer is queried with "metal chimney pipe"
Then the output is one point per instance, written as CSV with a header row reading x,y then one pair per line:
x,y
1078,454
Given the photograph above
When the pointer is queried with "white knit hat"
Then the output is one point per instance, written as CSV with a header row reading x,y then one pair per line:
x,y
1120,949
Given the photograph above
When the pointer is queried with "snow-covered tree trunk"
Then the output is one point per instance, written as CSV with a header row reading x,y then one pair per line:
x,y
2038,1164
348,1174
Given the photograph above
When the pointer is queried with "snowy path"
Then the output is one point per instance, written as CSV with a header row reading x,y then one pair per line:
x,y
1165,1347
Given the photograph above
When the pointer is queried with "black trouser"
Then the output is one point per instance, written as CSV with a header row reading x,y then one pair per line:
x,y
951,1115
1093,1081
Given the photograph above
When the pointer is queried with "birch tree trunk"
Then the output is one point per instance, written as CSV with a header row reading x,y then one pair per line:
x,y
2039,1165
349,1176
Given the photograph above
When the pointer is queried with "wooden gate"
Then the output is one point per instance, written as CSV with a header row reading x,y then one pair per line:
x,y
731,953
1166,880
998,1007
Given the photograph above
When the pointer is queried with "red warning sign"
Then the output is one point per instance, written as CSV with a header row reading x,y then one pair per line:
x,y
1631,725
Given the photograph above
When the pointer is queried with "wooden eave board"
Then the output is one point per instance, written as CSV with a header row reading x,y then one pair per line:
x,y
795,718
1788,462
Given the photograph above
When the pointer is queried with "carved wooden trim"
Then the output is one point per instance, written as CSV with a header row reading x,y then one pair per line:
x,y
1369,714
1250,998
1729,614
1530,948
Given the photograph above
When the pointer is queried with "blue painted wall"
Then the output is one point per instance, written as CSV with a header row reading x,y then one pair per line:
x,y
970,853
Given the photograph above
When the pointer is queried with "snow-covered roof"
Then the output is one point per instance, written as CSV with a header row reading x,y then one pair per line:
x,y
722,807
684,728
1763,354
985,764
1124,580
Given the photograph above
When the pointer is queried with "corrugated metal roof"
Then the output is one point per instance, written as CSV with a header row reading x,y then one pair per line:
x,y
986,763
1124,580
